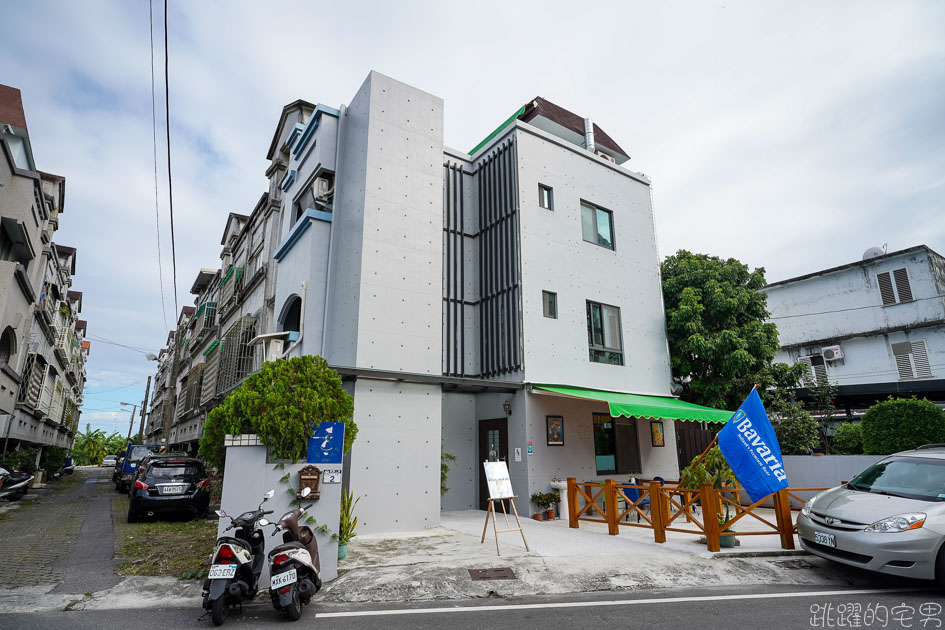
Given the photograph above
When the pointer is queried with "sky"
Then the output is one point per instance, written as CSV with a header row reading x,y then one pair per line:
x,y
789,135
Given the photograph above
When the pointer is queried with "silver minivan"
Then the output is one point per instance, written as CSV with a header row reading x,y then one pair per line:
x,y
890,518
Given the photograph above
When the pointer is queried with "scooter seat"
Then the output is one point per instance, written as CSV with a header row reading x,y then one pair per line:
x,y
286,546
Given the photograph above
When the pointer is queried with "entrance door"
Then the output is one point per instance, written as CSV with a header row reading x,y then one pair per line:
x,y
493,447
692,438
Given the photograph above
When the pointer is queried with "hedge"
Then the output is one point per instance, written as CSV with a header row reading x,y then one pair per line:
x,y
902,424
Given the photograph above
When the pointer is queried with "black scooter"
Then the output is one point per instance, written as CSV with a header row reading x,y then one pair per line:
x,y
236,563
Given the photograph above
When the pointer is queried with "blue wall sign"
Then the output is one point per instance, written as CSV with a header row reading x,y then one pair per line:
x,y
326,444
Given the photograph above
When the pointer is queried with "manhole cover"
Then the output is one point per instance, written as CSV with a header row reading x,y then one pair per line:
x,y
502,573
793,564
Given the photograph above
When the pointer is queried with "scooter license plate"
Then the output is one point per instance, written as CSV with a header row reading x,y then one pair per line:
x,y
222,571
282,579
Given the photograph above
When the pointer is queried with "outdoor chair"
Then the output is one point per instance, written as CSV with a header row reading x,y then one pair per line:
x,y
633,495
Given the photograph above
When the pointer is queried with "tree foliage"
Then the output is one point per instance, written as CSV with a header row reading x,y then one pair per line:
x,y
902,424
92,446
796,430
281,403
848,439
719,343
711,469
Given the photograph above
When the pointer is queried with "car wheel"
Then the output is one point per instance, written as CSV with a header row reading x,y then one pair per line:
x,y
940,568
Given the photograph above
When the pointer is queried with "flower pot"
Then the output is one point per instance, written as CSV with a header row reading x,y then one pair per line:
x,y
550,514
538,516
726,541
342,550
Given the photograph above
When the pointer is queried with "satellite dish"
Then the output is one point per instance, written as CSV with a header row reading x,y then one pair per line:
x,y
873,252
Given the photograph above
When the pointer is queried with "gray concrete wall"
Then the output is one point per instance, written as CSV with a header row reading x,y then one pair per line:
x,y
827,471
249,475
395,462
459,438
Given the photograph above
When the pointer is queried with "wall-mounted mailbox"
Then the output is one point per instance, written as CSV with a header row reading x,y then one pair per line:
x,y
309,477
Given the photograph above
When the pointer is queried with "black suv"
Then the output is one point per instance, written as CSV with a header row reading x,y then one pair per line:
x,y
169,484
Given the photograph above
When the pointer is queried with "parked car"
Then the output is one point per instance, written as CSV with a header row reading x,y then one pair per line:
x,y
169,484
890,518
109,460
14,484
129,467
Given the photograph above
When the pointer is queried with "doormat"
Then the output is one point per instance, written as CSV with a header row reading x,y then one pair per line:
x,y
502,573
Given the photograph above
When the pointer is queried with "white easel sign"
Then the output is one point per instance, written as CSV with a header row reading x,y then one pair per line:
x,y
498,480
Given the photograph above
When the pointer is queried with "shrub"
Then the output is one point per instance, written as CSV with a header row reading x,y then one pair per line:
x,y
797,431
848,439
901,424
281,403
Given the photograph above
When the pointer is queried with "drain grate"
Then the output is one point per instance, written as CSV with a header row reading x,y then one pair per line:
x,y
793,564
501,573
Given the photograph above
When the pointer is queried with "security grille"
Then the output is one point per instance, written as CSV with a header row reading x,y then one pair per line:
x,y
236,355
912,360
32,382
210,373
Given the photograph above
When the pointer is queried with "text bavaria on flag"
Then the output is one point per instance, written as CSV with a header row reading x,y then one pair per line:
x,y
750,447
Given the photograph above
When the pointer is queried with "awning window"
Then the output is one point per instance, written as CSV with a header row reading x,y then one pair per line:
x,y
640,406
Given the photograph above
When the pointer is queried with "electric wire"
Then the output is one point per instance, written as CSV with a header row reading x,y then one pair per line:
x,y
105,391
170,183
157,213
98,339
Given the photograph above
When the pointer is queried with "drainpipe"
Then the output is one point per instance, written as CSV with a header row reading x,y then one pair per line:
x,y
331,231
295,343
589,135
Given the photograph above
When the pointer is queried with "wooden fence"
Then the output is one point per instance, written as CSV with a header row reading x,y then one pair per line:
x,y
670,506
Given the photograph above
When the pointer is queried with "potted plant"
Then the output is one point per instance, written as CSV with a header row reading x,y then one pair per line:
x,y
540,499
552,499
347,522
726,541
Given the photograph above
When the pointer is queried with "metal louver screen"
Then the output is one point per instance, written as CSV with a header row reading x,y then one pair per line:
x,y
902,285
903,354
920,360
816,370
209,386
886,288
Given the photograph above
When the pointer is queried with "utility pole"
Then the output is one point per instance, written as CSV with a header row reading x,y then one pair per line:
x,y
131,421
144,407
170,409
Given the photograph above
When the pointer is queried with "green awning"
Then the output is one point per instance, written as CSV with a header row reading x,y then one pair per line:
x,y
637,405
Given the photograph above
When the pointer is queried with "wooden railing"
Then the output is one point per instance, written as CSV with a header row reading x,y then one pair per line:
x,y
670,505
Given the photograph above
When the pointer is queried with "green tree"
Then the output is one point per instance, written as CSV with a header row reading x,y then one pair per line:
x,y
90,446
280,403
719,343
796,430
902,424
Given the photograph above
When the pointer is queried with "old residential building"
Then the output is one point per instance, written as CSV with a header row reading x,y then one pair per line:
x,y
42,351
490,304
874,327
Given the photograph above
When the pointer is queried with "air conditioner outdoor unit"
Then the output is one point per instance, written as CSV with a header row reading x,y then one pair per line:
x,y
606,157
322,188
832,353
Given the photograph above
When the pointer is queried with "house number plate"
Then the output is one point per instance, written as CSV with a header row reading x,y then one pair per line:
x,y
331,475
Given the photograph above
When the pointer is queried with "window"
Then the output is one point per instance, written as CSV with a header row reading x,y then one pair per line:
x,y
603,334
912,360
597,225
549,303
816,370
7,346
894,287
291,314
546,197
616,445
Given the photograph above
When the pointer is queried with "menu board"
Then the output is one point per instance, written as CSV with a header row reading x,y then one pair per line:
x,y
497,478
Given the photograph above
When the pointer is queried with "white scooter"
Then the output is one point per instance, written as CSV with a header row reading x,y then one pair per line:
x,y
294,565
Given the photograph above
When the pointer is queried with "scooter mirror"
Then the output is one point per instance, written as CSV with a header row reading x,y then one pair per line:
x,y
269,495
221,513
306,492
262,522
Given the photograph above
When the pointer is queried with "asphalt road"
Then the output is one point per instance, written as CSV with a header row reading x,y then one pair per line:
x,y
766,607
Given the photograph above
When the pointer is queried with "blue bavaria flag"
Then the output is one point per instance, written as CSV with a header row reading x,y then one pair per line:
x,y
749,445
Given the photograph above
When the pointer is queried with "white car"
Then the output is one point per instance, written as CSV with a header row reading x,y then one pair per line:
x,y
109,461
890,518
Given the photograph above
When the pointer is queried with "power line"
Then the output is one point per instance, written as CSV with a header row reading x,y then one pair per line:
x,y
157,213
105,391
853,308
99,339
170,184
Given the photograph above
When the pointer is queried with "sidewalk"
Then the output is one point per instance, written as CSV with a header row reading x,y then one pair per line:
x,y
435,563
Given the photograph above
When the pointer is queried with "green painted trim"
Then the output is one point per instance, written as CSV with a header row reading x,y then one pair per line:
x,y
211,347
521,110
640,406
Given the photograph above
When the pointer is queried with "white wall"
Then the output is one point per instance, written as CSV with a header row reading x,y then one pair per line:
x,y
248,476
459,438
556,258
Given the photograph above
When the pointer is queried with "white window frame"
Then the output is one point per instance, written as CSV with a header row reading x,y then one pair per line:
x,y
612,348
595,208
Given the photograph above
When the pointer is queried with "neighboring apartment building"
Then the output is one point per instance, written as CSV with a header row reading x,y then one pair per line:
x,y
873,328
42,347
470,301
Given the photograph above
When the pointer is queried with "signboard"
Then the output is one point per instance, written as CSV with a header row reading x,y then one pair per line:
x,y
751,448
331,475
497,478
518,453
326,444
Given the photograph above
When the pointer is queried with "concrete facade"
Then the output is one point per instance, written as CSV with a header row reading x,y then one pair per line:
x,y
42,346
885,313
418,272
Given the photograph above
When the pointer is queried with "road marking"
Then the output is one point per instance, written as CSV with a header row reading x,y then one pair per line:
x,y
618,602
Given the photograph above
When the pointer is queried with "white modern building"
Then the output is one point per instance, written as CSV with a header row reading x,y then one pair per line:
x,y
874,327
451,288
